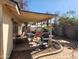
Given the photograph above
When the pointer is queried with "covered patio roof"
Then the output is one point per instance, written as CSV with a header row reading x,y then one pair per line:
x,y
34,16
29,16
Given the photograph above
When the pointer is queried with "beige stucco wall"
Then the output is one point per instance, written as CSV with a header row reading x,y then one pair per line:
x,y
1,40
7,33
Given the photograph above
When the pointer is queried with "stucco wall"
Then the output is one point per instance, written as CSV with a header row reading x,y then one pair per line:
x,y
1,40
7,33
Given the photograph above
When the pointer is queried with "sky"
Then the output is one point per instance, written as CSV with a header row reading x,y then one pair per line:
x,y
53,6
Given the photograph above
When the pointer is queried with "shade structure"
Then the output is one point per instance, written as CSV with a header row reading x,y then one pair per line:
x,y
34,16
29,16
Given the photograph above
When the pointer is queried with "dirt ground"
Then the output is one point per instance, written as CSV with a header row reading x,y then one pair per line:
x,y
69,51
65,54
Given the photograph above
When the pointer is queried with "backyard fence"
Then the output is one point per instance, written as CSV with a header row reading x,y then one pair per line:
x,y
68,29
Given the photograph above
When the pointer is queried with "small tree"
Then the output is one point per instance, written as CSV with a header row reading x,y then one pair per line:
x,y
68,23
67,19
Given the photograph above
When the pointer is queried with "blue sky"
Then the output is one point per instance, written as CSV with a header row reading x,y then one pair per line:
x,y
52,6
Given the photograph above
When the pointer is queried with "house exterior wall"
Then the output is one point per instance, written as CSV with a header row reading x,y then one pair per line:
x,y
1,39
7,33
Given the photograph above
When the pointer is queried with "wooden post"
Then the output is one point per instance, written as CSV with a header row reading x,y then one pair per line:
x,y
47,23
41,24
20,29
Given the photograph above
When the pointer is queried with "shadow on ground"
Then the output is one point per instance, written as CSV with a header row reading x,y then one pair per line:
x,y
20,50
21,55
